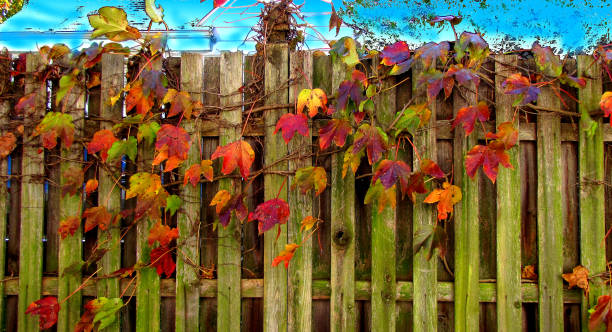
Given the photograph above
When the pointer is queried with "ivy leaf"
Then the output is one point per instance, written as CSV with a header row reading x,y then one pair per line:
x,y
127,147
506,134
489,157
430,52
151,195
602,313
606,105
8,142
430,168
373,140
101,142
97,216
475,45
384,196
334,20
162,234
579,277
193,173
290,123
46,309
351,160
335,130
237,154
91,186
313,99
69,226
270,213
361,77
53,125
161,259
518,84
148,131
112,22
398,56
412,118
286,255
346,49
547,62
173,203
310,178
180,102
172,145
467,116
225,203
446,197
389,172
72,180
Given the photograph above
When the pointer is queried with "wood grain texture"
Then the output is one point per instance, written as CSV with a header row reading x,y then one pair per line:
x,y
5,112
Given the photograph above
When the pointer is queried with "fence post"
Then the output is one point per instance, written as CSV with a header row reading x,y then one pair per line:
x,y
5,111
228,251
508,231
591,176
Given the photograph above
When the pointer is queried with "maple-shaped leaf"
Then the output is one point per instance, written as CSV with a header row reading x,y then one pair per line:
x,y
601,314
334,20
173,203
430,52
579,277
446,198
335,130
101,142
506,134
373,140
462,74
69,226
416,184
346,49
150,193
128,147
489,157
161,259
172,145
467,116
162,233
91,186
528,272
290,124
180,103
384,196
547,62
349,89
136,98
8,142
313,99
351,161
237,154
310,177
477,48
148,131
412,118
605,103
97,216
520,85
430,168
398,56
46,309
360,77
72,180
309,222
270,213
112,23
225,203
101,311
154,83
390,172
54,125
286,255
193,173
437,81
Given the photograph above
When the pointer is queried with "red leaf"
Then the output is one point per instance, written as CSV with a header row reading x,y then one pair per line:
x,y
602,313
335,130
430,168
489,157
53,125
352,89
468,115
137,98
360,76
373,139
270,213
416,184
180,103
430,52
520,85
162,233
334,20
237,154
96,216
549,63
101,141
69,226
286,255
606,104
192,175
290,123
26,103
161,259
395,53
389,172
172,144
46,309
226,203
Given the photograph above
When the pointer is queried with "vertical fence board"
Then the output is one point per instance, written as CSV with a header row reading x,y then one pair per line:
x,y
228,271
550,214
424,271
591,177
300,270
32,202
508,210
5,111
383,230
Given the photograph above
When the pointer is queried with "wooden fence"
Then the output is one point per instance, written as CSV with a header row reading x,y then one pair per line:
x,y
358,272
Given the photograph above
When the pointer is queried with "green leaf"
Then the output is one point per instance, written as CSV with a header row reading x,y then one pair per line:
x,y
66,83
589,126
112,23
148,131
156,14
366,106
346,49
106,311
173,203
124,147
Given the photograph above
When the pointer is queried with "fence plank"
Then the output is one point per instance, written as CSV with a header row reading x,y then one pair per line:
x,y
591,177
5,111
508,210
300,270
229,251
188,219
383,230
550,214
342,303
275,278
32,202
424,271
70,248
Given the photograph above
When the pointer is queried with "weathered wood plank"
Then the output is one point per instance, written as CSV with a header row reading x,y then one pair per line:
x,y
5,111
229,260
550,214
188,218
275,278
591,175
32,202
299,288
424,270
508,210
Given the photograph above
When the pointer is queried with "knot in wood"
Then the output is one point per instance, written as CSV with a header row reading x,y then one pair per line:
x,y
342,237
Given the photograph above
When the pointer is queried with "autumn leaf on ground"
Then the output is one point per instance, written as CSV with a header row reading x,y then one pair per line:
x,y
97,216
309,222
225,203
506,134
446,197
8,142
286,255
151,195
102,141
54,125
313,99
46,309
172,145
398,56
69,226
193,173
101,311
310,178
237,154
384,196
161,259
579,277
290,124
489,157
351,161
520,85
127,147
390,172
72,180
180,102
547,62
606,105
112,22
467,116
162,233
528,272
601,314
335,130
373,140
334,20
270,213
91,186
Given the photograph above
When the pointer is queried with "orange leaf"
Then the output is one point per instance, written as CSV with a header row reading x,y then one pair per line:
x,y
308,222
150,192
172,144
226,203
72,180
237,154
579,277
137,98
7,144
285,255
468,115
606,104
446,198
528,272
69,226
310,178
162,233
313,99
506,134
91,186
102,141
96,216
